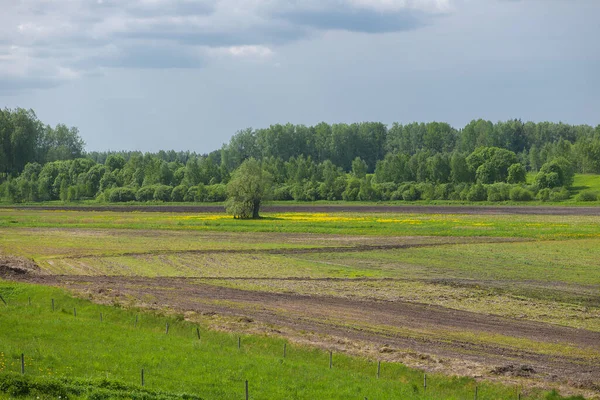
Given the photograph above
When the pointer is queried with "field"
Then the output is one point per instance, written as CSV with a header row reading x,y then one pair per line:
x,y
503,301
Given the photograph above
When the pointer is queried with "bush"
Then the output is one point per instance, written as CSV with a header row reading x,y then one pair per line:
x,y
516,174
587,195
477,193
411,194
558,172
396,195
179,193
559,194
385,190
307,191
520,194
352,190
162,193
216,192
14,385
367,192
544,194
498,192
196,193
443,191
145,193
426,191
283,193
121,195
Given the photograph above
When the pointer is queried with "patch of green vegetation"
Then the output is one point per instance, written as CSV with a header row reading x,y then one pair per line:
x,y
52,243
569,261
372,224
62,349
40,387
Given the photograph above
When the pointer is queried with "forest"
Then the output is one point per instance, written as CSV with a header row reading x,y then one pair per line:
x,y
366,161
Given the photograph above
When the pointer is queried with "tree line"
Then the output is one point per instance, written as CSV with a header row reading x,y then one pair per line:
x,y
363,161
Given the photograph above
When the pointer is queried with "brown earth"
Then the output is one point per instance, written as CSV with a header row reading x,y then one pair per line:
x,y
346,248
436,334
11,266
408,209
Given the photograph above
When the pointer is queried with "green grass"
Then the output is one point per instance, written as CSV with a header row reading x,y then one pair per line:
x,y
585,182
373,224
571,261
59,345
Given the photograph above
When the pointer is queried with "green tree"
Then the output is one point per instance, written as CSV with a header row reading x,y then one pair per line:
x,y
359,168
516,174
247,188
558,172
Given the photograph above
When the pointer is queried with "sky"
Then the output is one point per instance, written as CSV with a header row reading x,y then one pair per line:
x,y
187,75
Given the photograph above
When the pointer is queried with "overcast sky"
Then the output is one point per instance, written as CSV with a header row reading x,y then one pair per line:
x,y
186,75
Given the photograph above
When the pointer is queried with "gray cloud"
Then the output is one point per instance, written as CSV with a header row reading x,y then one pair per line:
x,y
353,20
77,37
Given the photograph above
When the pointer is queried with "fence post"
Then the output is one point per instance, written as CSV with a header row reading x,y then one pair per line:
x,y
378,368
74,312
142,376
330,359
52,304
239,342
424,381
167,329
136,319
101,317
284,349
29,300
476,392
198,332
22,363
247,392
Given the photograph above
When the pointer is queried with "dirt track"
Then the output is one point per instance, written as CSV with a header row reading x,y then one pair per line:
x,y
408,209
400,326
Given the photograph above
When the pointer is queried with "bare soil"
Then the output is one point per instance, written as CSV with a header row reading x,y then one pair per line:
x,y
11,266
394,327
308,208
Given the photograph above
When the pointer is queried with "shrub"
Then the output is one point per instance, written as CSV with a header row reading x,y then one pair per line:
x,y
366,192
216,192
558,172
179,193
145,193
352,190
14,385
396,195
283,193
498,192
411,194
516,174
559,194
426,191
587,195
385,190
196,193
121,195
544,194
162,193
443,191
519,194
477,193
307,191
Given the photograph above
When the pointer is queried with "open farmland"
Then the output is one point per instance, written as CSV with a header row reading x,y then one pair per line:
x,y
513,299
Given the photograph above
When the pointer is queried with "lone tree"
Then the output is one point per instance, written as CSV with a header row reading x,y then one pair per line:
x,y
246,189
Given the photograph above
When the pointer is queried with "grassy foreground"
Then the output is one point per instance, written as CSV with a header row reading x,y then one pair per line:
x,y
83,356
